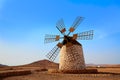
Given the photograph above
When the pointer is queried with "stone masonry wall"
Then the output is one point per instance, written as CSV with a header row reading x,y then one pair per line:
x,y
71,58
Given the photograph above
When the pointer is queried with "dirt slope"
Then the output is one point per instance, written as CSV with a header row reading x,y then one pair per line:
x,y
43,64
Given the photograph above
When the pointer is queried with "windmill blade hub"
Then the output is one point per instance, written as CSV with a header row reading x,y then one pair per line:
x,y
75,36
63,30
60,45
57,38
71,29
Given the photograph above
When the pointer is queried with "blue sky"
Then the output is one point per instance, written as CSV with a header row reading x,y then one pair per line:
x,y
24,23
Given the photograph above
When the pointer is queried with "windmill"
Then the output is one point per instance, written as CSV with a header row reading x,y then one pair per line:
x,y
71,52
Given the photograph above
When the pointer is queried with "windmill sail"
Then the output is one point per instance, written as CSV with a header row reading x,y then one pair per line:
x,y
51,38
53,53
87,35
61,26
75,24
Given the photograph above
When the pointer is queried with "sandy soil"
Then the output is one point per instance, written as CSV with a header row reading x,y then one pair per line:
x,y
44,75
58,76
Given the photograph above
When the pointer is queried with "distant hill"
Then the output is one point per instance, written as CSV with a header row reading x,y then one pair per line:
x,y
103,65
43,64
48,64
110,65
91,65
1,65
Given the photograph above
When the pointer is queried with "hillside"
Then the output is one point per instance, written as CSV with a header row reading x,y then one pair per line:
x,y
43,64
48,64
1,65
103,65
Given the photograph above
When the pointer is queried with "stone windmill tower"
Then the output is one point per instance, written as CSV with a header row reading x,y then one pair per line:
x,y
71,52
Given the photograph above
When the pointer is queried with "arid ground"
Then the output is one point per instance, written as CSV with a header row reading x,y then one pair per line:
x,y
38,71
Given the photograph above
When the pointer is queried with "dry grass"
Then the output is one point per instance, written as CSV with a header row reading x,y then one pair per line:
x,y
109,69
53,71
85,71
43,74
58,76
14,73
112,70
6,68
